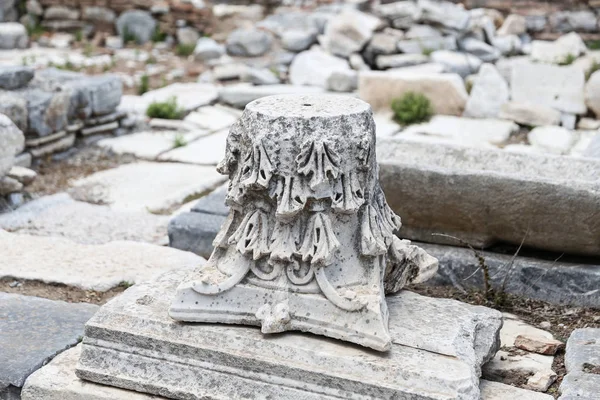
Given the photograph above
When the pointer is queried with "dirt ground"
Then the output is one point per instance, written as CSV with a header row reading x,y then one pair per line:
x,y
54,175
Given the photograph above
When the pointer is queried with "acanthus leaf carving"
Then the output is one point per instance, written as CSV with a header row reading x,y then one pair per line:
x,y
284,241
291,197
257,169
252,235
319,162
373,242
320,243
348,196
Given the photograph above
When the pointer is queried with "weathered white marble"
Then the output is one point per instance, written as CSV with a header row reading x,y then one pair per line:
x,y
144,186
152,358
208,150
87,267
303,188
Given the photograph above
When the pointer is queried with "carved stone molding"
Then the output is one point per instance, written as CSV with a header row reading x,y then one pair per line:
x,y
310,237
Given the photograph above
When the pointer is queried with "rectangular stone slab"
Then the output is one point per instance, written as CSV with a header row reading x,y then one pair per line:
x,y
132,343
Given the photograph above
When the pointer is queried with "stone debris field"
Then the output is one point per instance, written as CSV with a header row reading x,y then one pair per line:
x,y
135,135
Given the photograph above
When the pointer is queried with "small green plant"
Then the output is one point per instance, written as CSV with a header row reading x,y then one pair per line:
x,y
469,85
151,60
165,110
184,49
144,84
567,60
593,44
179,141
79,35
427,51
158,36
412,108
34,30
126,284
595,67
88,49
128,36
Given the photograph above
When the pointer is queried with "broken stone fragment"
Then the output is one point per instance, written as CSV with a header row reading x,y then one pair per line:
x,y
538,344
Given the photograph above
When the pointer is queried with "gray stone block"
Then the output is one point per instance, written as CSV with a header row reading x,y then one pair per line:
x,y
486,196
195,232
213,203
32,331
15,77
583,348
554,282
137,23
132,343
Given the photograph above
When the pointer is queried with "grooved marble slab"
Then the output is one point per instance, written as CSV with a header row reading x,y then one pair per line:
x,y
133,344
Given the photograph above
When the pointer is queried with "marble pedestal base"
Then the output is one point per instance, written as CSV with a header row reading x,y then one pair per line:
x,y
438,348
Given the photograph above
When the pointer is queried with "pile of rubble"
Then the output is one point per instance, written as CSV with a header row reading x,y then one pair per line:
x,y
52,107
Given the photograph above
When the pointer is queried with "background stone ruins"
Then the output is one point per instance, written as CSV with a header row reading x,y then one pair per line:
x,y
508,163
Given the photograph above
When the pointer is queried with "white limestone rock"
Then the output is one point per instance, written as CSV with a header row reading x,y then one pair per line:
x,y
313,67
208,150
248,42
189,96
208,49
561,88
57,381
12,142
137,23
187,35
241,94
588,124
427,44
400,60
569,21
463,64
514,326
154,187
553,139
348,32
298,40
499,391
87,267
21,174
529,114
444,13
343,81
465,131
149,145
558,51
514,24
489,92
213,118
445,91
60,215
479,48
15,77
592,93
13,36
259,76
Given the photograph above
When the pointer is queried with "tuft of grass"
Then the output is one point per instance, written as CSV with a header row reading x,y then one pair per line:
x,y
469,86
427,51
595,67
179,141
151,60
126,284
128,36
166,110
593,44
412,108
158,36
79,35
568,59
88,49
35,30
144,84
184,50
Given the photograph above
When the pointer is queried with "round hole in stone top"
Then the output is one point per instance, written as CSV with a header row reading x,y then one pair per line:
x,y
307,105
